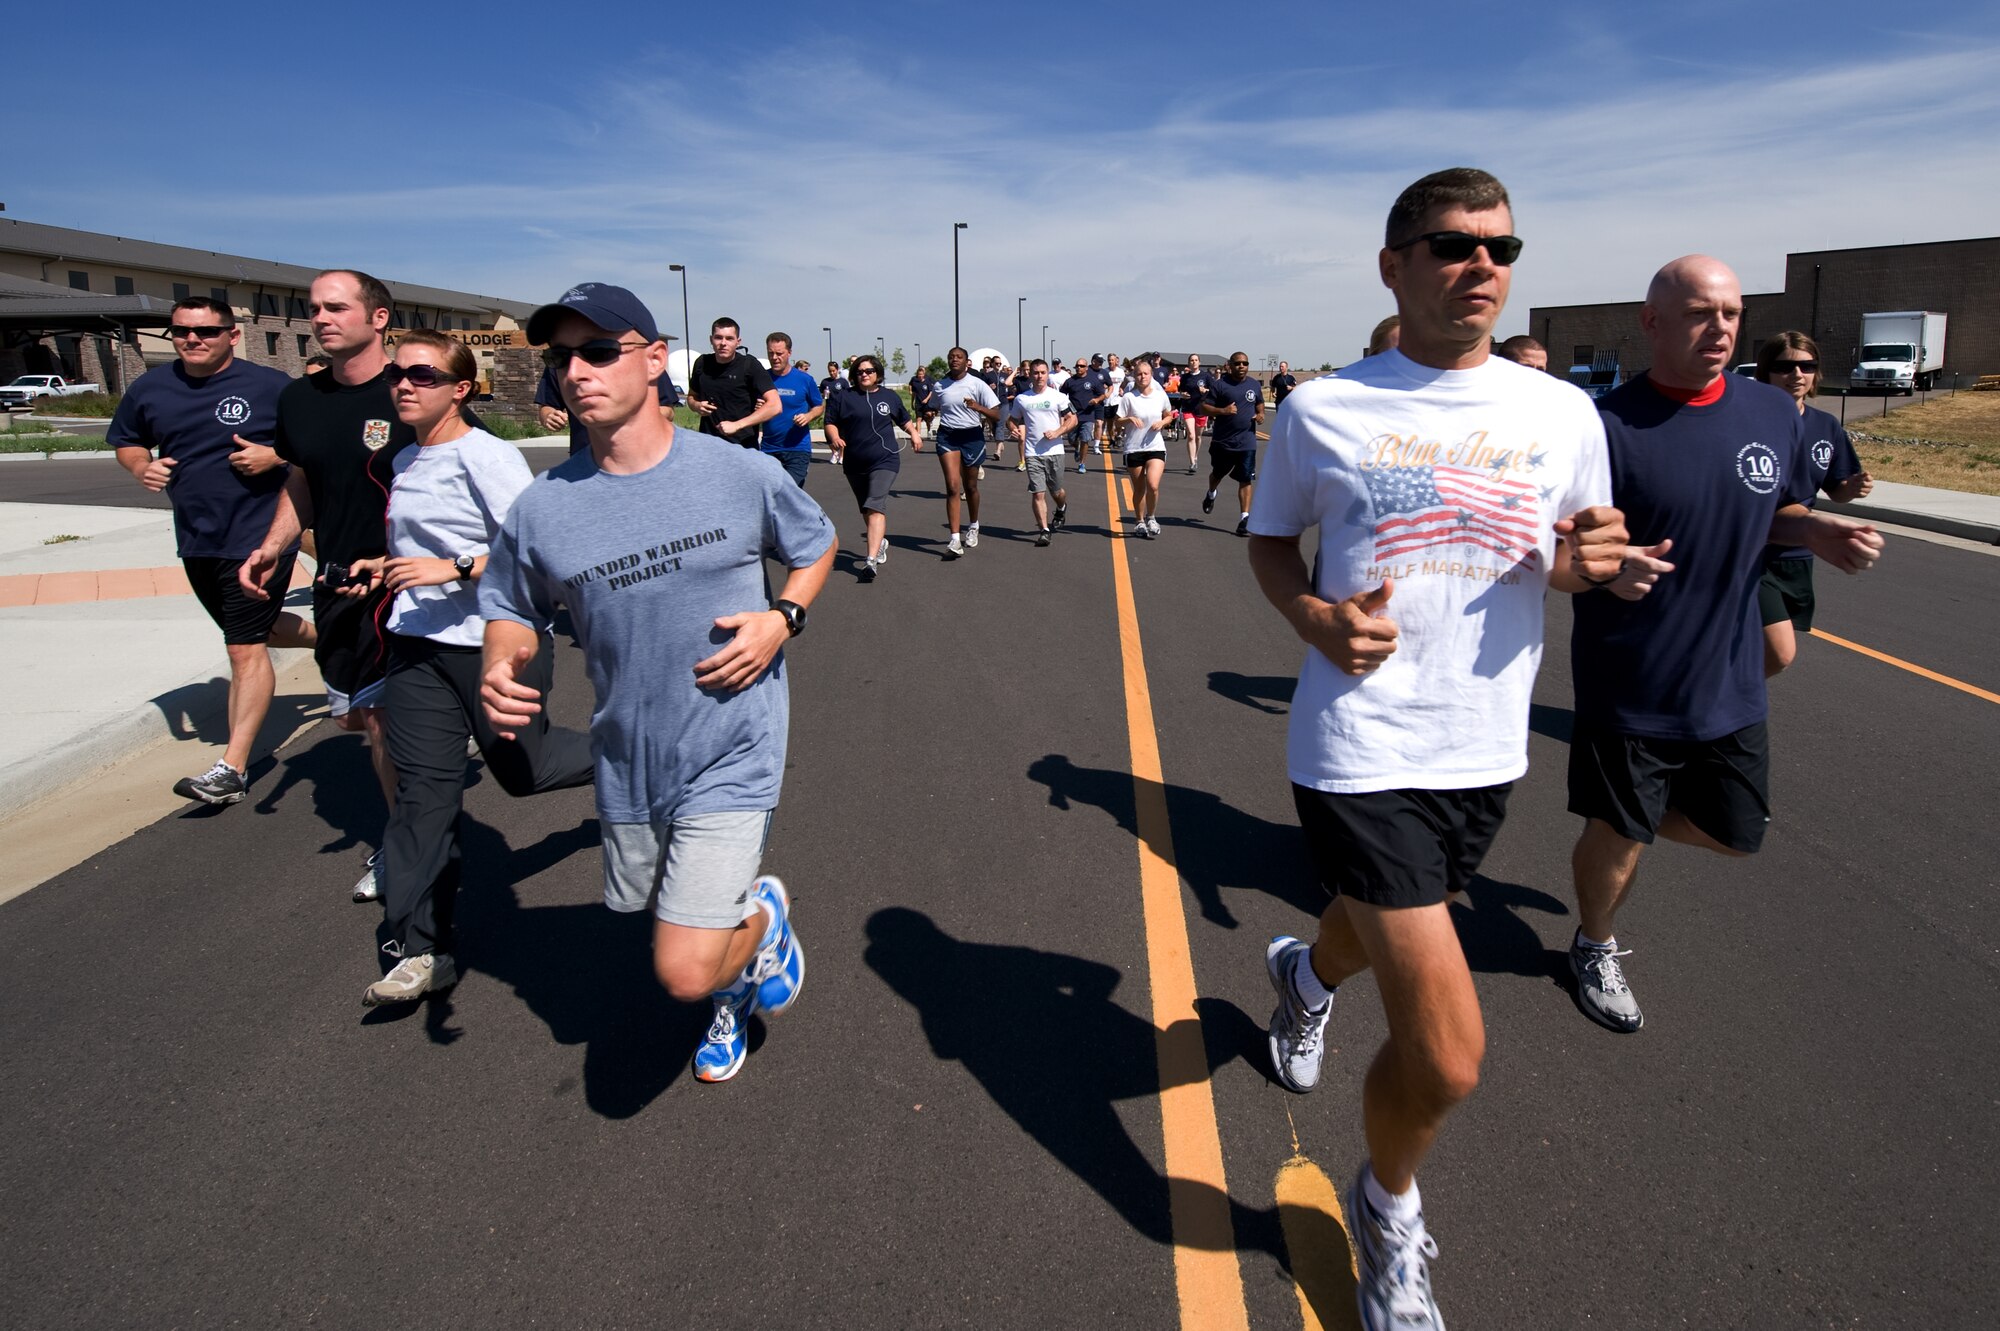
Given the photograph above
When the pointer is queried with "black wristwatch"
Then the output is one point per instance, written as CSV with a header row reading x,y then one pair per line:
x,y
464,566
794,613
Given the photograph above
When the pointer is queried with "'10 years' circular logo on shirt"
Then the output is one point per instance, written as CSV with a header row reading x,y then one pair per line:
x,y
1823,454
1757,466
232,411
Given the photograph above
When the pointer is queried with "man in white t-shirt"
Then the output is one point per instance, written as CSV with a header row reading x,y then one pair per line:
x,y
1042,419
1462,487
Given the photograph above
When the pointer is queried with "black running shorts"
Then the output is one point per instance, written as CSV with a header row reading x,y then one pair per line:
x,y
244,621
1238,464
1399,848
352,652
1786,592
1722,786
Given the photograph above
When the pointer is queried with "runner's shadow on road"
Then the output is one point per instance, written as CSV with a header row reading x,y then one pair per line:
x,y
200,712
1496,940
1000,1010
1213,844
584,970
1252,690
345,795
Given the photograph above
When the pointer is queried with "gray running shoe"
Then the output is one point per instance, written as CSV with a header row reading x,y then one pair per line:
x,y
1062,516
1601,990
1393,1276
1297,1033
1042,536
220,784
412,978
369,886
882,553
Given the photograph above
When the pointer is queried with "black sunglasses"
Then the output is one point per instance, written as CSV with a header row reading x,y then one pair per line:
x,y
202,331
599,352
1457,246
860,370
1802,366
420,376
1239,365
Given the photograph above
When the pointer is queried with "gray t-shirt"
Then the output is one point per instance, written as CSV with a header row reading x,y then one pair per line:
x,y
646,564
447,500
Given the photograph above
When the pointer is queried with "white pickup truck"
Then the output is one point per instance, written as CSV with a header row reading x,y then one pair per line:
x,y
23,391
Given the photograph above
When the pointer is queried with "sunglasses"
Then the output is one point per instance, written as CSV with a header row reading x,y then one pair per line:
x,y
1801,366
1457,246
1239,365
600,352
860,370
420,376
203,331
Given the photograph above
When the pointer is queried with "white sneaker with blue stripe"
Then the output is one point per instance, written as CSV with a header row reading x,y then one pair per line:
x,y
721,1054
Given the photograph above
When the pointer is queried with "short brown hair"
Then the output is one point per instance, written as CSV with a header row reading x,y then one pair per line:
x,y
1516,346
459,362
785,338
374,294
220,309
1460,186
1378,341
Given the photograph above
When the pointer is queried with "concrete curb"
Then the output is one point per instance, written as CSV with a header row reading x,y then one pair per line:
x,y
117,739
1984,533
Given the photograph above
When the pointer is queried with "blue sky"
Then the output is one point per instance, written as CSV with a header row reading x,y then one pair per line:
x,y
1181,181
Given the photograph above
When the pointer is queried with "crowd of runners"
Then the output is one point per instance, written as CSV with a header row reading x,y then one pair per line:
x,y
1453,484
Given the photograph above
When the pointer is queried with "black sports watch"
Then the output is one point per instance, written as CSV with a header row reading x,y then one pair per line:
x,y
464,566
794,613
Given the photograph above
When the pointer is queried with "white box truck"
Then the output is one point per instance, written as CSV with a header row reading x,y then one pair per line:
x,y
1901,351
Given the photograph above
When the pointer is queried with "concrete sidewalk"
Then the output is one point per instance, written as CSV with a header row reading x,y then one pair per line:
x,y
1970,517
104,652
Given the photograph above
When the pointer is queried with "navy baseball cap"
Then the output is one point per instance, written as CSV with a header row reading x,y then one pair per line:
x,y
614,309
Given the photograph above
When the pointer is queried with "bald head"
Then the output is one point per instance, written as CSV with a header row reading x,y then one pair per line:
x,y
1693,310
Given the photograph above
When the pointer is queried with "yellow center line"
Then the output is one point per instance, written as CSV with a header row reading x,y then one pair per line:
x,y
1207,1275
1945,680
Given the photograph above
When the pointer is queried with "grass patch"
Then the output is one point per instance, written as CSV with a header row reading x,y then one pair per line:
x,y
83,404
50,443
61,539
1950,442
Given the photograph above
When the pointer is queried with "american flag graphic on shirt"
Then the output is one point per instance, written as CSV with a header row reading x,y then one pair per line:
x,y
1432,507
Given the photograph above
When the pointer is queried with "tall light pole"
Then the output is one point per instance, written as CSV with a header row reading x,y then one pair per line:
x,y
831,368
686,345
1052,353
881,348
1020,342
920,351
1045,341
957,337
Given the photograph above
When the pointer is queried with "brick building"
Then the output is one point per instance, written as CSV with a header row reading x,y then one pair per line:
x,y
90,307
1826,293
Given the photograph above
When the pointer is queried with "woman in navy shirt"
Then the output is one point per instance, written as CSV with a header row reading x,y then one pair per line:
x,y
861,429
1785,595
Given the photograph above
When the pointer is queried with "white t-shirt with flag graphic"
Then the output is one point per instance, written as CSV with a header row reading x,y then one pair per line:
x,y
1449,482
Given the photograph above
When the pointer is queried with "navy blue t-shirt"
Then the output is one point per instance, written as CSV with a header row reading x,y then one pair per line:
x,y
1080,389
548,393
1238,432
832,386
1833,461
923,392
868,422
1282,386
1686,662
218,514
1195,383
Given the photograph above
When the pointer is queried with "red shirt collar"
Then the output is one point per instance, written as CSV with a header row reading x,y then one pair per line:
x,y
1692,397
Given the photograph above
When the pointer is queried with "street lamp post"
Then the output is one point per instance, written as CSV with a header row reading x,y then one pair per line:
x,y
686,345
920,351
1045,341
830,367
957,336
1020,342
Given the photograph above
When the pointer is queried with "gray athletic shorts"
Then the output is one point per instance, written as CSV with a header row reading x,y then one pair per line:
x,y
1045,475
695,871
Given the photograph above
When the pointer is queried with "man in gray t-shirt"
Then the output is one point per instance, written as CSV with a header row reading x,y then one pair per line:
x,y
655,539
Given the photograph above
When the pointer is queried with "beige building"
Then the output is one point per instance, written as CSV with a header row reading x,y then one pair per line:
x,y
90,307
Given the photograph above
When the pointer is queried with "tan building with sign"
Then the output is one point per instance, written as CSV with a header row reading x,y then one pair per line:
x,y
90,306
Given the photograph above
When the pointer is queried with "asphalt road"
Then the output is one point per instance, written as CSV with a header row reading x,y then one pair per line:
x,y
960,1124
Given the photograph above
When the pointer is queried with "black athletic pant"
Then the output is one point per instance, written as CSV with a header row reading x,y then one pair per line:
x,y
432,696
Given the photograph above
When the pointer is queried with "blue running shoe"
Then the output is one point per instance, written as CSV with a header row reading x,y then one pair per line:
x,y
721,1055
779,968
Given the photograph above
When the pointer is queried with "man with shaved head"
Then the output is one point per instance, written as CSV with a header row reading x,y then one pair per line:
x,y
1523,350
1670,704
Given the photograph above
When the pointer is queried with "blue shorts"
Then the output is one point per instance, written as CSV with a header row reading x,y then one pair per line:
x,y
1241,464
969,440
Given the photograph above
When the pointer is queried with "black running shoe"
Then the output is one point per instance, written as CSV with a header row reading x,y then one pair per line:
x,y
220,784
1208,502
1243,526
1042,536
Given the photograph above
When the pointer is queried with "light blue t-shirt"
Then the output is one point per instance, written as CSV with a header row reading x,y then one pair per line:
x,y
796,393
646,564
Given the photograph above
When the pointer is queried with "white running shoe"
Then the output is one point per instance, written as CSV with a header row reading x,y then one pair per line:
x,y
971,537
957,546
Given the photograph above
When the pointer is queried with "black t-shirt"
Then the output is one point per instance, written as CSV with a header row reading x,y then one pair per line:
x,y
1196,383
1281,387
734,387
343,437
